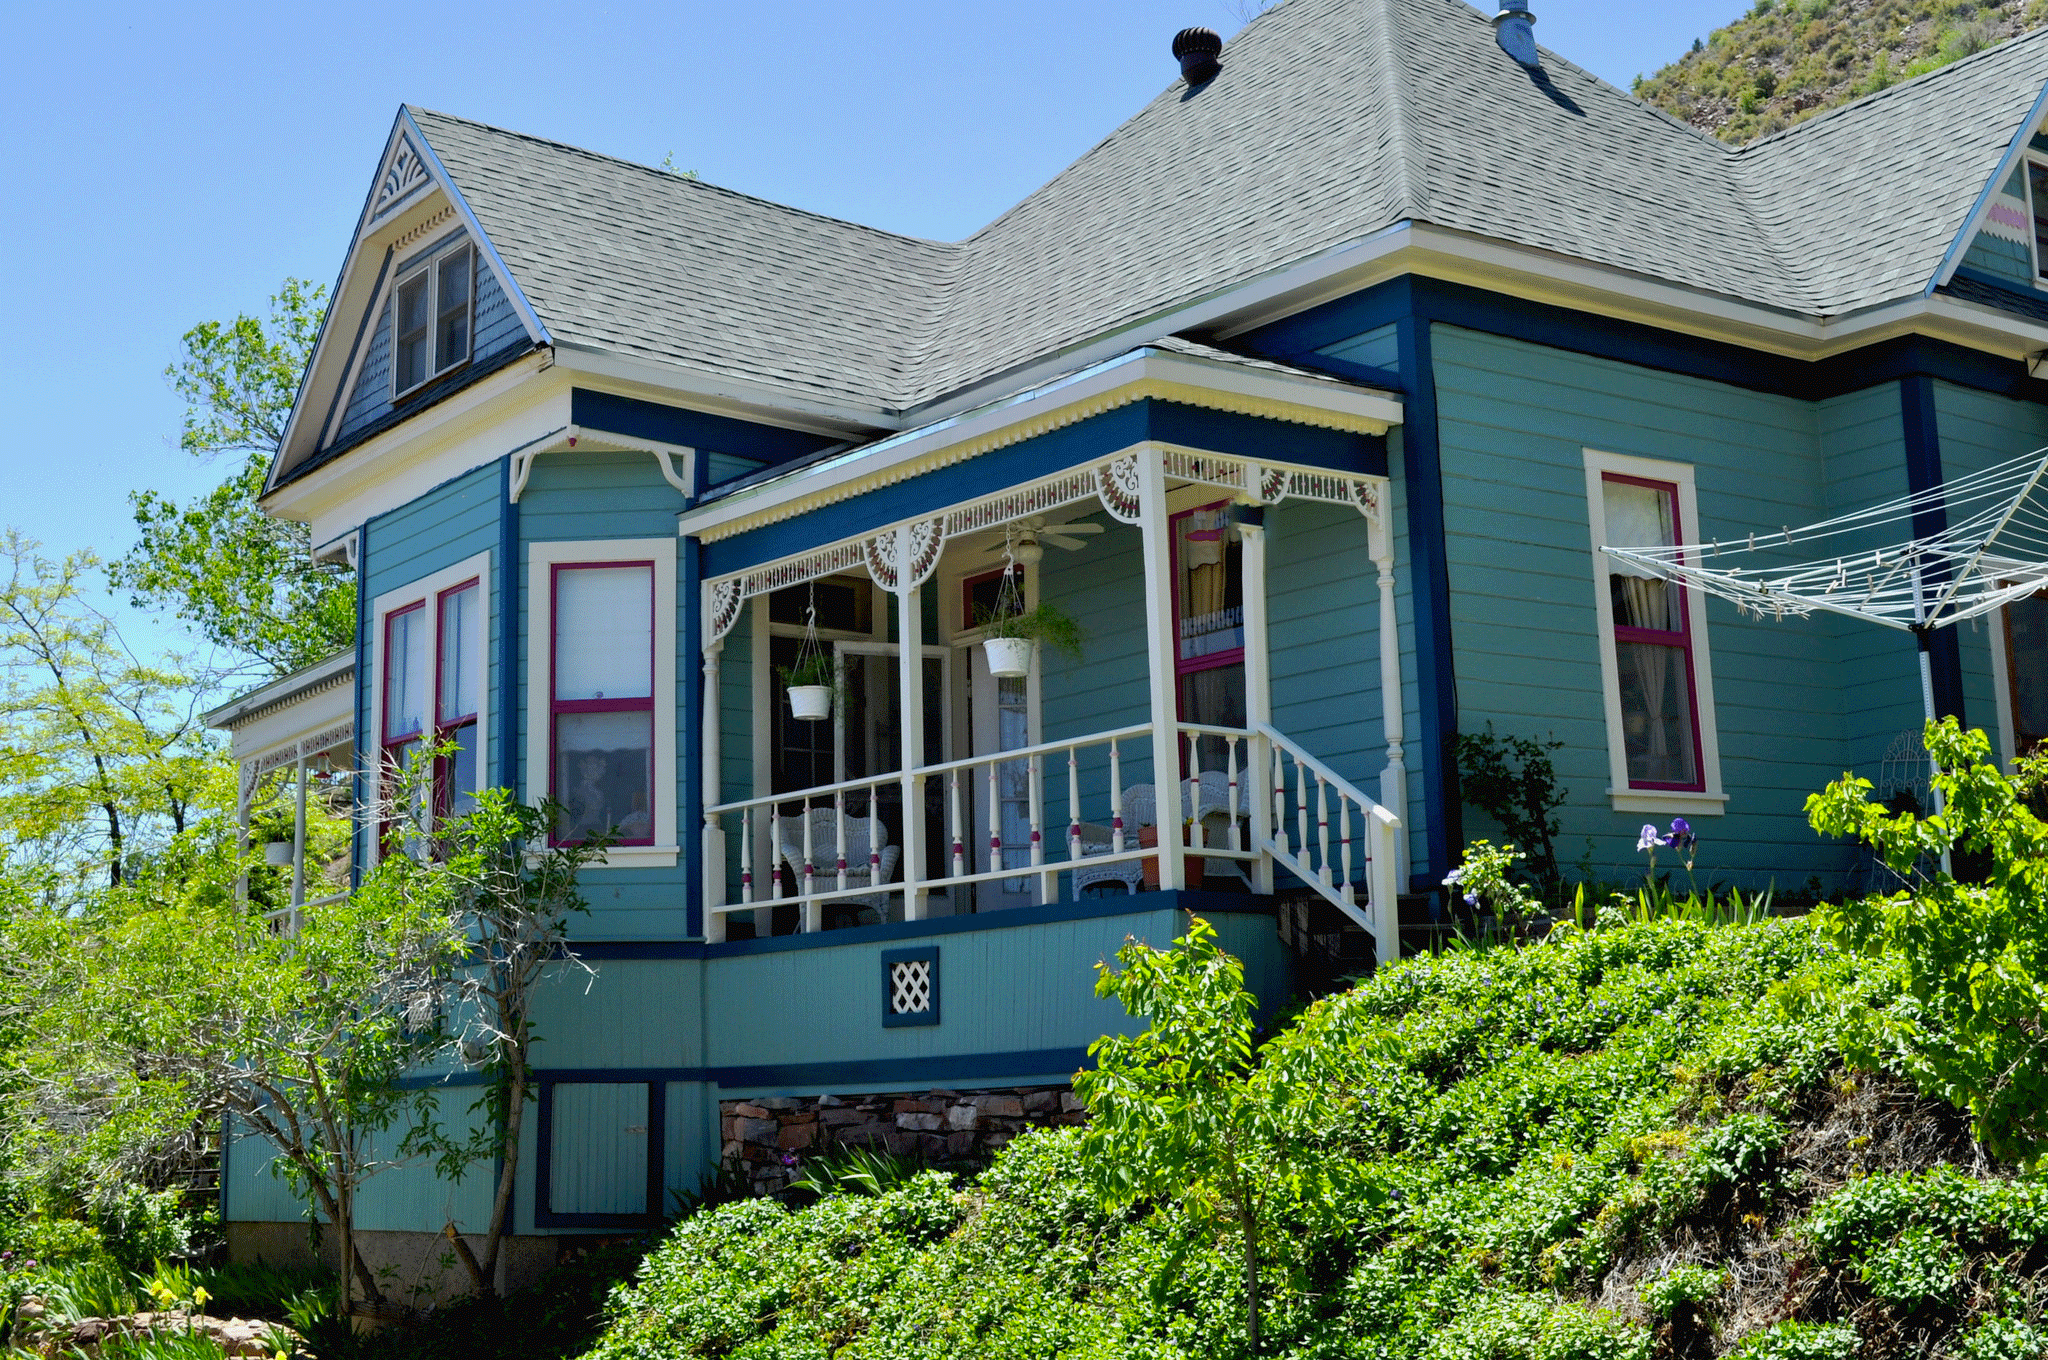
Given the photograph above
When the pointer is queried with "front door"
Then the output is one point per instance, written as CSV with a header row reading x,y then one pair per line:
x,y
1000,717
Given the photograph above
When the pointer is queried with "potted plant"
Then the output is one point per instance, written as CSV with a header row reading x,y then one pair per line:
x,y
811,682
1012,638
1193,867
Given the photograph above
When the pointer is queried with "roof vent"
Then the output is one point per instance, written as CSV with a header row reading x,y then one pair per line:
x,y
1514,30
1197,49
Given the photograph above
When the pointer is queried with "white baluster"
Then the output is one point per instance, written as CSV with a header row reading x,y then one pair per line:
x,y
746,856
1116,801
1046,882
1191,812
1279,799
875,841
1230,761
1074,807
810,862
1301,808
995,818
775,850
839,816
1344,841
1323,829
954,827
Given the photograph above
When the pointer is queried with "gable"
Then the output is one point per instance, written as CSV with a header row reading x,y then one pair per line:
x,y
2003,245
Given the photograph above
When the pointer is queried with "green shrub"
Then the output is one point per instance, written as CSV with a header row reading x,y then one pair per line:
x,y
1682,1287
1799,1341
139,1227
72,1293
2002,1338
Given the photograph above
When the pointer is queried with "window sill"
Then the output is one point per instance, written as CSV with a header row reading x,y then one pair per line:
x,y
636,857
1677,803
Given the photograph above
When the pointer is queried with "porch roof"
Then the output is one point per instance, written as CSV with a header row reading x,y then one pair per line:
x,y
1177,371
307,712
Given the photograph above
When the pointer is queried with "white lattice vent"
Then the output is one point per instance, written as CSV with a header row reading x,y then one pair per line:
x,y
910,987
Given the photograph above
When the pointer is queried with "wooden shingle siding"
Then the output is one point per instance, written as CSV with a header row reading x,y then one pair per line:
x,y
2007,260
496,327
1514,419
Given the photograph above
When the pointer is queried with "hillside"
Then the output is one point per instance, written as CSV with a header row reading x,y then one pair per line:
x,y
1789,59
1600,1147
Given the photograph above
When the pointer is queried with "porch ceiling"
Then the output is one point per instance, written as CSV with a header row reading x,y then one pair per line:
x,y
1178,373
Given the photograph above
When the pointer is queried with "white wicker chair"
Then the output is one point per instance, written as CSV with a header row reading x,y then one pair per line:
x,y
1140,808
860,833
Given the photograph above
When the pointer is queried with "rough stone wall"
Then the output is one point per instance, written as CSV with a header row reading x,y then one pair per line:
x,y
770,1137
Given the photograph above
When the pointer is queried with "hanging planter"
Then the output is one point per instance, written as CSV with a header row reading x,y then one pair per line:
x,y
813,678
1011,634
1009,658
812,703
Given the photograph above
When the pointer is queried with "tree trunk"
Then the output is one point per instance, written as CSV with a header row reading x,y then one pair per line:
x,y
508,1172
1249,1225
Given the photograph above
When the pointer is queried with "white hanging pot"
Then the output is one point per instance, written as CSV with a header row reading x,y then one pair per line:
x,y
1009,658
810,702
277,852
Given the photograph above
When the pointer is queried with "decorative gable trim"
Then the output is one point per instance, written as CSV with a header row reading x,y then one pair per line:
x,y
1980,211
403,174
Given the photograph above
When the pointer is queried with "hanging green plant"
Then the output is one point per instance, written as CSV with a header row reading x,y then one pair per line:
x,y
1047,624
813,682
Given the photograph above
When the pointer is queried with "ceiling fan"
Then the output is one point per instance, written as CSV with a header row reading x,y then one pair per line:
x,y
1024,539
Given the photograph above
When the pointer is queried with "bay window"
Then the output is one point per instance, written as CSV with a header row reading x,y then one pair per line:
x,y
428,686
601,676
1658,685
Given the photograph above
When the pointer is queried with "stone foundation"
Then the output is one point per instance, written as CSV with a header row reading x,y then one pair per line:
x,y
769,1137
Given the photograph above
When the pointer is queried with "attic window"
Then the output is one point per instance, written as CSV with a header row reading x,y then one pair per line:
x,y
431,318
2037,181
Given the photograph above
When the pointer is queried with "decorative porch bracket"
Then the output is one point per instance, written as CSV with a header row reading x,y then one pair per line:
x,y
570,437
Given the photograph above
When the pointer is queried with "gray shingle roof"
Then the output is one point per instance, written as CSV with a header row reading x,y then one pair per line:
x,y
1332,119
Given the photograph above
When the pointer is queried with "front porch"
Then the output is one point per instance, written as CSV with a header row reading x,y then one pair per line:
x,y
1028,790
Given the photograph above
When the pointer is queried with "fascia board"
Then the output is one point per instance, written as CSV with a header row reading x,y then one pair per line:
x,y
1952,258
475,427
535,331
735,397
312,677
1144,371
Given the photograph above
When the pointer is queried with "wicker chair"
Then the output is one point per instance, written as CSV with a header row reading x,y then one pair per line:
x,y
861,832
1140,804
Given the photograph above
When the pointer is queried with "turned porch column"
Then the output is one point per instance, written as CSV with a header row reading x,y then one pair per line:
x,y
1393,706
713,862
1160,649
910,706
1258,686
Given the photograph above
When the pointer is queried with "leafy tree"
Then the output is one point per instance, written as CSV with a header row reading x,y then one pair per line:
x,y
512,902
98,749
243,579
1177,1113
1513,780
1973,1025
186,1006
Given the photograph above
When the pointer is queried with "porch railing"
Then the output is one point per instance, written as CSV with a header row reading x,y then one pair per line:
x,y
1249,786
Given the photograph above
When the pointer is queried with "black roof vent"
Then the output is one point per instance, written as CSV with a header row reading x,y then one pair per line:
x,y
1197,49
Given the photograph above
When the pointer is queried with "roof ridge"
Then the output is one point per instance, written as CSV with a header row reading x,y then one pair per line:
x,y
1393,77
666,175
1899,90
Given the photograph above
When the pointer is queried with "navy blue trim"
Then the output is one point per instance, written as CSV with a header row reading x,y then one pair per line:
x,y
690,742
1436,678
657,1152
1076,445
510,583
699,430
893,1019
913,1073
1922,430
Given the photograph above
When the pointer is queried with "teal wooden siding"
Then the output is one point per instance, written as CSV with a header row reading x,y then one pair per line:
x,y
598,496
1377,348
599,1152
723,467
1978,430
1514,419
1102,586
622,1013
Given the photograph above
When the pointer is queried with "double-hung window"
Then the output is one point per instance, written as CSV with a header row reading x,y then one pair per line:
x,y
1658,684
601,667
601,709
430,679
431,316
1208,612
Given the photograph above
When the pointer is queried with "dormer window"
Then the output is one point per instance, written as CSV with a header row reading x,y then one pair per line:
x,y
431,318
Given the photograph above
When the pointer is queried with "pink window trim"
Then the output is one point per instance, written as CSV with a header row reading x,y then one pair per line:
x,y
1680,641
557,707
391,748
445,725
1214,660
967,586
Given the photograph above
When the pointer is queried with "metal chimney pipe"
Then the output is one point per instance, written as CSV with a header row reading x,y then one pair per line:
x,y
1514,30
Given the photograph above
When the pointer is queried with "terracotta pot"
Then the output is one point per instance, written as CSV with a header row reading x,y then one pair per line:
x,y
812,703
1193,867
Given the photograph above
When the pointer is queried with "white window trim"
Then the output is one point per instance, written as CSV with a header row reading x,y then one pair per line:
x,y
541,559
1711,802
427,261
427,589
2027,196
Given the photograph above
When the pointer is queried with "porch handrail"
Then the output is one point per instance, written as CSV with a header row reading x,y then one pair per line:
x,y
1310,859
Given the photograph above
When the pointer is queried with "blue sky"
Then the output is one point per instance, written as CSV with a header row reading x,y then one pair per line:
x,y
172,163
